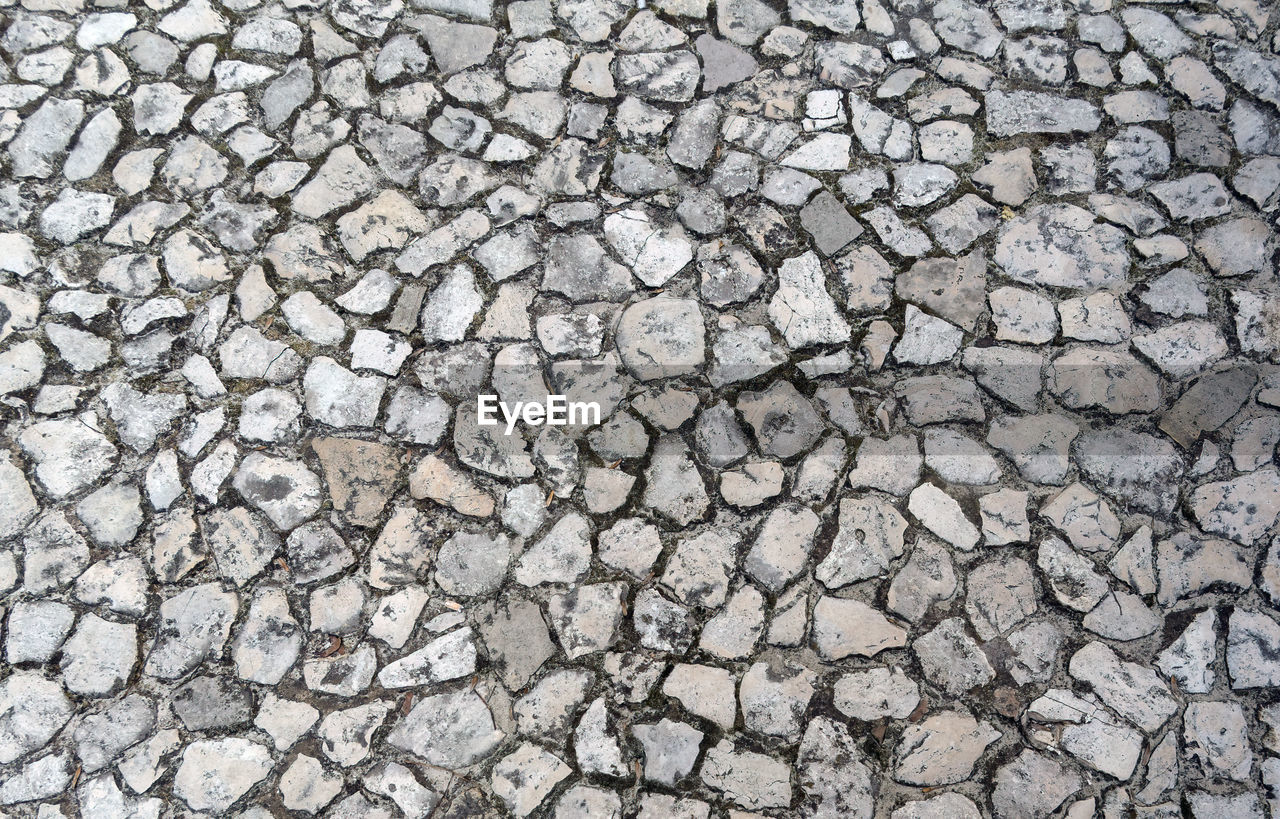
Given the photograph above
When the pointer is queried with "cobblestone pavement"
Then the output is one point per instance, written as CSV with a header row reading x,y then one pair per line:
x,y
935,473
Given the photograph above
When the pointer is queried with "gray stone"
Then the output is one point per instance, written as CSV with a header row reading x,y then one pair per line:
x,y
43,139
670,750
1252,641
214,774
829,223
1032,785
1017,112
34,710
1132,690
524,778
723,63
802,309
194,626
750,779
942,749
842,627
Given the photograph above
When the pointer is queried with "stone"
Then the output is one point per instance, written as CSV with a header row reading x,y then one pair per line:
x,y
342,675
583,801
1017,112
44,137
1252,638
448,729
829,223
249,354
1010,176
670,749
779,253
597,750
802,308
875,694
1240,508
825,152
98,658
942,749
69,455
398,783
526,777
630,545
305,785
951,659
1186,566
692,140
1061,246
926,339
927,578
946,804
35,709
951,288
842,627
212,702
1184,349
1034,652
1032,785
1086,520
345,735
214,774
1131,690
54,554
1215,734
1131,467
750,779
338,397
241,546
286,491
723,63
891,465
668,77
674,488
518,638
942,515
1207,404
781,547
40,779
586,619
773,698
1192,198
360,476
1001,596
869,539
1122,616
268,645
36,630
743,352
1116,382
194,625
746,21
1071,575
654,254
698,571
704,691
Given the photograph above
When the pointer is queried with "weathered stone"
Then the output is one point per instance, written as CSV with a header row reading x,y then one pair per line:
x,y
34,710
842,627
942,749
1132,690
1061,245
869,539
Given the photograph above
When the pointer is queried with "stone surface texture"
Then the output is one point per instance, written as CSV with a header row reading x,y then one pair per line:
x,y
936,352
